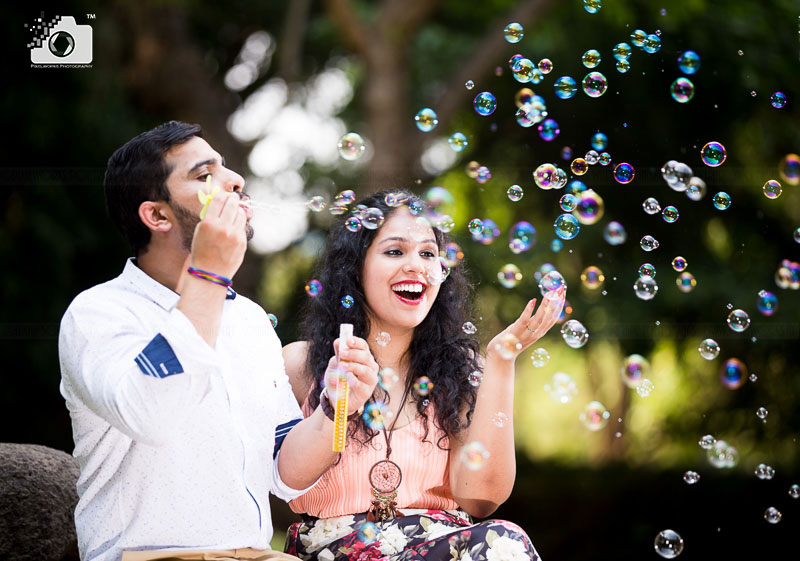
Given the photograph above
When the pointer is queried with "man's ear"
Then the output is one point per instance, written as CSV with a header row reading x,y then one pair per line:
x,y
157,216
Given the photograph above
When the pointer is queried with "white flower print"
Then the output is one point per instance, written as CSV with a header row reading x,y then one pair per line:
x,y
505,549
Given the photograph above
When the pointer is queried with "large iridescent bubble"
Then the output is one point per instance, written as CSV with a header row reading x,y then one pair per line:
x,y
574,334
485,103
595,84
733,373
590,207
624,173
591,58
614,233
548,130
682,90
426,119
566,226
522,237
351,146
713,154
509,275
565,87
689,62
514,32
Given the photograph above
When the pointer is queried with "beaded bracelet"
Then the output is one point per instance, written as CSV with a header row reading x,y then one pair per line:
x,y
211,277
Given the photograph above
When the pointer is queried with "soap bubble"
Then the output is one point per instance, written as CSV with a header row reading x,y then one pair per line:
x,y
548,130
634,369
353,224
484,175
604,158
469,84
592,6
561,388
778,100
668,544
722,455
509,275
592,277
594,416
522,237
708,349
794,491
772,515
313,288
566,153
387,378
475,226
686,282
691,477
637,37
591,157
574,334
733,373
722,200
374,415
566,226
471,170
369,531
767,302
523,70
475,378
316,204
507,346
351,146
523,96
652,43
383,338
545,66
647,270
499,419
484,103
423,386
764,472
648,243
515,193
540,357
595,84
579,166
426,119
624,173
797,235
614,233
474,455
670,214
395,200
682,90
551,281
530,114
689,62
762,413
645,288
645,388
458,141
707,442
453,254
513,33
273,319
576,186
677,175
347,301
679,264
738,320
599,141
469,328
544,176
345,197
772,189
623,66
568,202
696,189
651,206
565,87
372,218
622,51
490,232
713,154
591,58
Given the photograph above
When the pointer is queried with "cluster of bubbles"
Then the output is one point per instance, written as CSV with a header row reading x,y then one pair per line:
x,y
720,454
788,275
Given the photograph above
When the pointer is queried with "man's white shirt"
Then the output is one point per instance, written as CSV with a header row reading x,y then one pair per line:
x,y
175,439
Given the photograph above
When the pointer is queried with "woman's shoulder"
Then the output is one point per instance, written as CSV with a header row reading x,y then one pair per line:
x,y
294,361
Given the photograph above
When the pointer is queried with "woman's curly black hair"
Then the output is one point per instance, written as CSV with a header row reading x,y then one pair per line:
x,y
440,349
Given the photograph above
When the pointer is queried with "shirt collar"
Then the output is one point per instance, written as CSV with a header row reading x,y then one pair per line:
x,y
157,292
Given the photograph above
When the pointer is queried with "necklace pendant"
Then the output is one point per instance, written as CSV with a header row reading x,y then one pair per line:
x,y
384,478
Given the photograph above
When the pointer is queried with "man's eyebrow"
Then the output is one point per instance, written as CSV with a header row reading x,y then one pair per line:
x,y
209,162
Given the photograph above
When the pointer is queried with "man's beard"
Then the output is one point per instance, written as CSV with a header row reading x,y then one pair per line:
x,y
188,222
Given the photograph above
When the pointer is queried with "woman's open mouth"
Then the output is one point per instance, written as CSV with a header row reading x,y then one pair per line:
x,y
409,292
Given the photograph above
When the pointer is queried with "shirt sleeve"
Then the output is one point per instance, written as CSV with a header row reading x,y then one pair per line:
x,y
142,381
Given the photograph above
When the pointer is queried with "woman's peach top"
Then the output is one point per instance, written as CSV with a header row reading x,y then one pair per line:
x,y
345,488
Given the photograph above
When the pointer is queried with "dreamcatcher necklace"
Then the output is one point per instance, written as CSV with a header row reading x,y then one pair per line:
x,y
385,477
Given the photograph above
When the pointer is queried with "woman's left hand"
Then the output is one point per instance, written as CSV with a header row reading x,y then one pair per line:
x,y
530,327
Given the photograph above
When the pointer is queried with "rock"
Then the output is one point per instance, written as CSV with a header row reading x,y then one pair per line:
x,y
37,504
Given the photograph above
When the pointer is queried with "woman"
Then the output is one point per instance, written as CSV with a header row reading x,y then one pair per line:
x,y
437,443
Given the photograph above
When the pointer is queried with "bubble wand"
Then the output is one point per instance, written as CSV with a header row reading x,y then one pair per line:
x,y
342,393
205,196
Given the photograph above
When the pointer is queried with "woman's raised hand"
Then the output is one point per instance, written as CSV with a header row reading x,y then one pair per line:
x,y
530,327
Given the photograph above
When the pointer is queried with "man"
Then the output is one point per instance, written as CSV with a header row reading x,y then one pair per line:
x,y
183,418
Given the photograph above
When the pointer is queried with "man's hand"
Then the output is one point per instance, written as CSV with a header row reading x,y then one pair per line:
x,y
220,241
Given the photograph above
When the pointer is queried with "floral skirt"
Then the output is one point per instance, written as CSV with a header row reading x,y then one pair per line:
x,y
433,535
